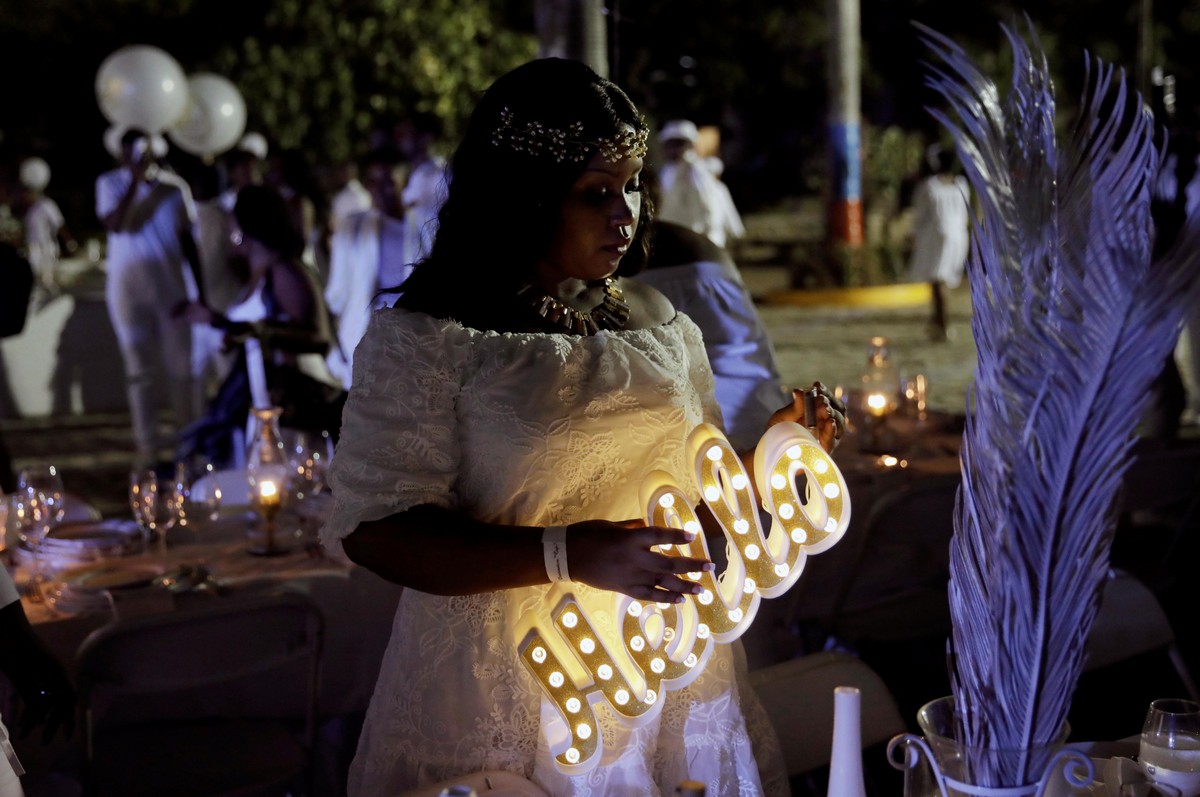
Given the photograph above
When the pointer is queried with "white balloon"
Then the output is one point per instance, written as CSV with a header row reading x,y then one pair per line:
x,y
141,86
112,140
214,118
34,174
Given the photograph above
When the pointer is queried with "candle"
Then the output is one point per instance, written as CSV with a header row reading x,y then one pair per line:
x,y
877,404
257,372
268,495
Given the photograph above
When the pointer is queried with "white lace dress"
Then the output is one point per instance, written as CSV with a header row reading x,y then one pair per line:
x,y
532,429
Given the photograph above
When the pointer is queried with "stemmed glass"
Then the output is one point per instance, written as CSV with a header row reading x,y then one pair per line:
x,y
174,501
1170,745
41,484
211,501
143,500
40,508
308,462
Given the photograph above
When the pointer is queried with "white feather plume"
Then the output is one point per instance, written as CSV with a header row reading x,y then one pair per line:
x,y
1072,323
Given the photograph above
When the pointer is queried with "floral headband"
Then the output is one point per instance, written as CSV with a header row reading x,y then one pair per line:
x,y
535,139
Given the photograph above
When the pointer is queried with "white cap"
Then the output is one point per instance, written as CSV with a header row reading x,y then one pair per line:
x,y
156,141
679,129
35,174
158,145
255,144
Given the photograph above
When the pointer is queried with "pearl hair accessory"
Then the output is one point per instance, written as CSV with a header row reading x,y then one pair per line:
x,y
571,144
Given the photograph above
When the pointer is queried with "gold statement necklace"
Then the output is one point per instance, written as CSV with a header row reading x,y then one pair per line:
x,y
611,313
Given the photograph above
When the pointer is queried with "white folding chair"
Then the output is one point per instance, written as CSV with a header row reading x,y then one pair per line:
x,y
216,699
798,698
1130,622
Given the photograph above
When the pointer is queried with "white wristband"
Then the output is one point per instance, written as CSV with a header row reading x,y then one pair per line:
x,y
554,550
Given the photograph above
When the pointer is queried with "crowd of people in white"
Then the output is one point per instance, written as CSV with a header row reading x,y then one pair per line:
x,y
174,242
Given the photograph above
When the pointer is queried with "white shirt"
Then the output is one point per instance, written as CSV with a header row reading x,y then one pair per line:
x,y
43,220
351,199
422,196
366,254
161,212
693,197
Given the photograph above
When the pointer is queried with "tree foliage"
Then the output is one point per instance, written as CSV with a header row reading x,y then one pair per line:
x,y
319,74
316,74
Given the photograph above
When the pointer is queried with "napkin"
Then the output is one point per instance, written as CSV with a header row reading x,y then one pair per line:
x,y
1124,777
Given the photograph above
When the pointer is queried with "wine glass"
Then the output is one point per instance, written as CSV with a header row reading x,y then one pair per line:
x,y
308,461
173,503
41,485
40,492
143,500
209,504
1170,746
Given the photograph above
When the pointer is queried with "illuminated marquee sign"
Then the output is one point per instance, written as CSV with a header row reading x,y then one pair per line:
x,y
627,652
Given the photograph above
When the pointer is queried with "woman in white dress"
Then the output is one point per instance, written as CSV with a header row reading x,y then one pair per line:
x,y
941,227
522,386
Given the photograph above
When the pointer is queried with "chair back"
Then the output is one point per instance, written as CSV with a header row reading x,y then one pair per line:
x,y
895,587
1158,517
247,656
797,696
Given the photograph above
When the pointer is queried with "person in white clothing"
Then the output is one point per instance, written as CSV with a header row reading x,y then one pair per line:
x,y
349,196
690,193
225,270
153,270
511,400
46,231
425,188
701,280
941,233
368,253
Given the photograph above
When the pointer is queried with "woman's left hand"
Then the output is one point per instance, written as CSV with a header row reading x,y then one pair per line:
x,y
831,415
194,313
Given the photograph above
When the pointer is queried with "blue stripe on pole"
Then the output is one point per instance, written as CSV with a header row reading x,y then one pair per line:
x,y
844,141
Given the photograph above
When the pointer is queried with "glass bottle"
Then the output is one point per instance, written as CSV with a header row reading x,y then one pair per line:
x,y
266,472
880,381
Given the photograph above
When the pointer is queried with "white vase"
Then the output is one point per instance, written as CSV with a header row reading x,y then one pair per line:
x,y
845,760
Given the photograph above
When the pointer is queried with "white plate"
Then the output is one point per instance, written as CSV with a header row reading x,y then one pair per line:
x,y
111,574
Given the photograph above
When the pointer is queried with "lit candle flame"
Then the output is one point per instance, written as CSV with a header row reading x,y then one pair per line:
x,y
877,403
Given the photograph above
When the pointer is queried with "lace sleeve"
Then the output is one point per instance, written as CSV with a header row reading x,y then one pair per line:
x,y
398,446
701,374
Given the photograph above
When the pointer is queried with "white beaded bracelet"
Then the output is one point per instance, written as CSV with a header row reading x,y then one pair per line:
x,y
554,550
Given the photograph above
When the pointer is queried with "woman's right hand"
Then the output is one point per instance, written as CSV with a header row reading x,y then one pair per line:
x,y
617,556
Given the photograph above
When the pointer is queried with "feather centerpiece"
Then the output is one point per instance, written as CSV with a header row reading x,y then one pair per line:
x,y
1073,321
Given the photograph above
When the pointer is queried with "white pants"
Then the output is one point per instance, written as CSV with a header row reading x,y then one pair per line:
x,y
156,348
10,783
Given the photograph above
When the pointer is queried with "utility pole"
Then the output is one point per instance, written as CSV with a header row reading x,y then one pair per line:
x,y
844,212
575,29
1145,47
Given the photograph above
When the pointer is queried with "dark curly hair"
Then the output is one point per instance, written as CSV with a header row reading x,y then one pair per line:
x,y
262,214
502,206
